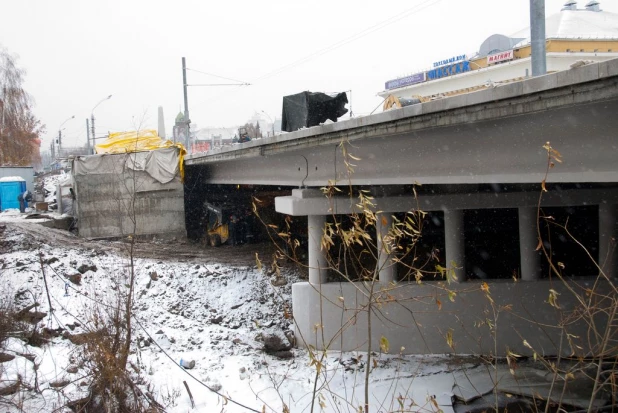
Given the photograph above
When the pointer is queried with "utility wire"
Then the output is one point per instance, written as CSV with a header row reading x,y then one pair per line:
x,y
378,26
220,84
359,35
220,77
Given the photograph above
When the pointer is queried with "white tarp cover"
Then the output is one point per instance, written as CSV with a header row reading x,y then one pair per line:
x,y
63,195
12,179
161,164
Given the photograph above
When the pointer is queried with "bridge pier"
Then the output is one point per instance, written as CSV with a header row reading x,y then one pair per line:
x,y
608,235
529,257
334,306
386,266
455,242
318,265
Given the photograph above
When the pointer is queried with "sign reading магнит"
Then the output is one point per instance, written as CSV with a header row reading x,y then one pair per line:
x,y
500,57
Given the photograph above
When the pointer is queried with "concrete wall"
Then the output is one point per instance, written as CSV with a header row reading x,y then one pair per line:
x,y
26,172
416,322
107,202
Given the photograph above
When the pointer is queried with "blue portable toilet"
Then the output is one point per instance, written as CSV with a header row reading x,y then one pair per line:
x,y
10,188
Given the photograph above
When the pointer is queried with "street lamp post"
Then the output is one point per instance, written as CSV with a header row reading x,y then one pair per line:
x,y
92,120
60,133
272,122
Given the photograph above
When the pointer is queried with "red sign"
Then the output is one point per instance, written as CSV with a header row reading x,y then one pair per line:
x,y
499,57
200,146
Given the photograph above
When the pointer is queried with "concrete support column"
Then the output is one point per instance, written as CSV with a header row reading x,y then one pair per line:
x,y
608,234
455,242
387,268
317,258
529,257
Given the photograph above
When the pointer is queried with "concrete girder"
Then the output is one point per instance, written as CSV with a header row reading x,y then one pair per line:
x,y
491,136
305,202
504,150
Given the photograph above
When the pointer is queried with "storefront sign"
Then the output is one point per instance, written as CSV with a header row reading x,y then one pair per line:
x,y
450,60
448,70
500,57
405,81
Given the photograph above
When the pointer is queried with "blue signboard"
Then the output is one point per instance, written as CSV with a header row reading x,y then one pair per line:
x,y
450,70
405,81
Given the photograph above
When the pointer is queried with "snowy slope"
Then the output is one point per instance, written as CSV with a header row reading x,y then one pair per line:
x,y
196,309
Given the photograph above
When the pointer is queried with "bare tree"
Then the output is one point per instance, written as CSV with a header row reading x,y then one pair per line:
x,y
19,128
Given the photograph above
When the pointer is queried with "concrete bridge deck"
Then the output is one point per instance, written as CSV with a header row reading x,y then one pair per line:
x,y
490,136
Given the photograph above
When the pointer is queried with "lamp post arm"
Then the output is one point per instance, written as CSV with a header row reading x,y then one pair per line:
x,y
95,106
92,119
60,132
272,122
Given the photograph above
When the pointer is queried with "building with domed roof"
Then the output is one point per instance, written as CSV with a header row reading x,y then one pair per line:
x,y
574,37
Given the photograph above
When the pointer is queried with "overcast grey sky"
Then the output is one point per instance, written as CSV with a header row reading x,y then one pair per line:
x,y
77,52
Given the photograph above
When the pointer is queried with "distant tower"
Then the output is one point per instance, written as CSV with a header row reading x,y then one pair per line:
x,y
161,123
181,131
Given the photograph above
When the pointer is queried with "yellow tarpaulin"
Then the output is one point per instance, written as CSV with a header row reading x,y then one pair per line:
x,y
140,141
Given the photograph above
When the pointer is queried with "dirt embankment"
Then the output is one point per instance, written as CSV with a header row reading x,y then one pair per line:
x,y
168,250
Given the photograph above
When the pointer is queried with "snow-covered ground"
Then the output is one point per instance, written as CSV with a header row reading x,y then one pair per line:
x,y
213,314
50,185
198,309
13,215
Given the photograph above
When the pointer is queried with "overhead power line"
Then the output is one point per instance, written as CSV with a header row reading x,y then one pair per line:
x,y
240,82
219,84
371,29
359,35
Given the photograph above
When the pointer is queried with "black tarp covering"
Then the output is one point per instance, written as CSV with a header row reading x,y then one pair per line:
x,y
308,109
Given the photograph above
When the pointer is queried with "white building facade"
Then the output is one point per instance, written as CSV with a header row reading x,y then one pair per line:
x,y
573,37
